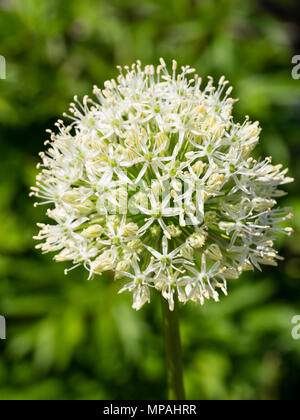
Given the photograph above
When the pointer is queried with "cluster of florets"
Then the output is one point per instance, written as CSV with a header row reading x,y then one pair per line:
x,y
154,182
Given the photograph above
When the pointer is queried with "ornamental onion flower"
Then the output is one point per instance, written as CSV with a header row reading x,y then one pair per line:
x,y
153,180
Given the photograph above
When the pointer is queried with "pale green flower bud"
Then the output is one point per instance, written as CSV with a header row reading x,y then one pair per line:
x,y
198,167
92,231
210,217
225,225
214,252
174,230
197,240
130,229
187,252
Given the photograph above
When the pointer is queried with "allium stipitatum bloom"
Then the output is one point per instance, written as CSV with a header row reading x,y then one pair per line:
x,y
154,181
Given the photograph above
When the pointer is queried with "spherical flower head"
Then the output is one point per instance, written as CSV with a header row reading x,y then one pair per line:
x,y
153,180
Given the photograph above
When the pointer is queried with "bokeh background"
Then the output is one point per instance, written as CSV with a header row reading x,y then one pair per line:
x,y
69,338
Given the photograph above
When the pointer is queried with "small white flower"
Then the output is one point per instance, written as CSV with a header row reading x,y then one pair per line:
x,y
165,261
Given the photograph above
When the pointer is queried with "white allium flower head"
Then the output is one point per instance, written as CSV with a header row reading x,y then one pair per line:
x,y
154,181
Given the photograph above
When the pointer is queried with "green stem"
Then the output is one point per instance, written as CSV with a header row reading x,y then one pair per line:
x,y
173,350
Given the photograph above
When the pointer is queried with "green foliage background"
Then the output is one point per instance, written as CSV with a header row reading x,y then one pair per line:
x,y
69,338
